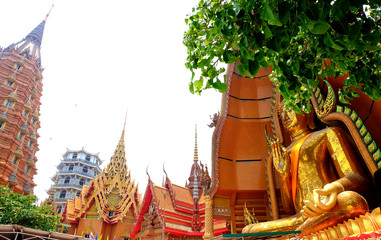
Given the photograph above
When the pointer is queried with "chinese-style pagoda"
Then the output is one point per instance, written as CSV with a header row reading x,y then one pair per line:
x,y
76,169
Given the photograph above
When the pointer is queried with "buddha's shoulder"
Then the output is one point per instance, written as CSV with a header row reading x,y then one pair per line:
x,y
333,131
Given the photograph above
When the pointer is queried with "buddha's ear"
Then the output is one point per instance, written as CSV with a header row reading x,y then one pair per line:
x,y
311,120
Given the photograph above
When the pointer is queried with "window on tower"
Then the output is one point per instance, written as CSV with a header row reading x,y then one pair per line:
x,y
30,144
18,66
59,209
25,113
9,103
82,182
31,98
67,180
9,83
111,214
84,169
35,79
2,125
15,160
63,194
33,121
27,169
75,156
71,167
87,157
20,135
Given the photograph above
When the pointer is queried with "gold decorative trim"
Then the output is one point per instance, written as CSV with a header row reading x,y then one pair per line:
x,y
371,145
325,112
324,107
222,211
368,223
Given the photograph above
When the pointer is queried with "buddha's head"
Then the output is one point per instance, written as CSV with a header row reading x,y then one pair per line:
x,y
294,123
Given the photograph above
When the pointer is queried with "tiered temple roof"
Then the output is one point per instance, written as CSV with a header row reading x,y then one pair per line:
x,y
179,211
112,197
173,205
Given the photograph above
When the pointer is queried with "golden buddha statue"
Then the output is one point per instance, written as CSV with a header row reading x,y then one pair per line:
x,y
321,178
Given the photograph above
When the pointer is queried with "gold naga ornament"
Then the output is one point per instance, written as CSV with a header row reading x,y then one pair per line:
x,y
249,218
320,173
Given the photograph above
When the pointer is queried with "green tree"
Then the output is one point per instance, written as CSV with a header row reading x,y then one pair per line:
x,y
295,37
22,210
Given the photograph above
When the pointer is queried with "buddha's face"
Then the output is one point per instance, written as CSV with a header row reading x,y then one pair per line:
x,y
292,122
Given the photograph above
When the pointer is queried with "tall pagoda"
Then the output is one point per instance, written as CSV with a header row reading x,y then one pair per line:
x,y
109,205
76,169
20,93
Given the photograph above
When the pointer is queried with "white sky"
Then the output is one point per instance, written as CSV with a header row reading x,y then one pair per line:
x,y
102,58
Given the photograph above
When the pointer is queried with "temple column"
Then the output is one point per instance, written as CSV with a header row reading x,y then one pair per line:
x,y
209,231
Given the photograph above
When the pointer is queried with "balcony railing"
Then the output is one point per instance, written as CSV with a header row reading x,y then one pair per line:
x,y
60,200
81,160
67,185
80,172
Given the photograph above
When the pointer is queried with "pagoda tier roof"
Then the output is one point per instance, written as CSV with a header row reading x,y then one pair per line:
x,y
112,190
173,205
83,150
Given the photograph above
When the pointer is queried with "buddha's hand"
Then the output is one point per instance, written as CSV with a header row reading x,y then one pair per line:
x,y
324,200
281,159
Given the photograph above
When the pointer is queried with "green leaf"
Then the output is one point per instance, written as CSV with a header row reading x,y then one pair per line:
x,y
284,12
266,13
253,67
267,31
319,27
198,84
221,87
240,69
191,88
328,41
244,41
275,22
225,57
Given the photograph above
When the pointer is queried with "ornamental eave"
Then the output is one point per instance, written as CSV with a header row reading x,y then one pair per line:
x,y
218,130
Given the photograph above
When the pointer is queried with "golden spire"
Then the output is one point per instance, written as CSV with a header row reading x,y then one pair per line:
x,y
124,126
117,165
195,157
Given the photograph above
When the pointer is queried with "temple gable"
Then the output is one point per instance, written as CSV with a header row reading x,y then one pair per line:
x,y
111,201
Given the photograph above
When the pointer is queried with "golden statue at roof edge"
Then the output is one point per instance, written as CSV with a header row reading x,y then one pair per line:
x,y
321,177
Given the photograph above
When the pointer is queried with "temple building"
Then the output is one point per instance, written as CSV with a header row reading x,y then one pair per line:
x,y
109,205
76,170
20,93
176,212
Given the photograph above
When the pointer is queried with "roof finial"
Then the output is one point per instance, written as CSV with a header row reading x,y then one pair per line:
x,y
195,157
149,177
47,15
124,127
164,170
